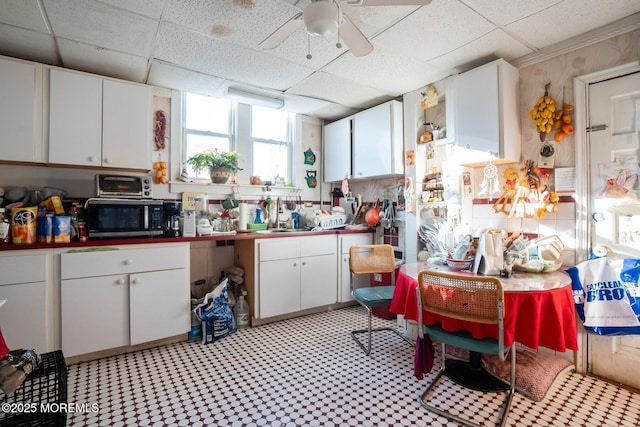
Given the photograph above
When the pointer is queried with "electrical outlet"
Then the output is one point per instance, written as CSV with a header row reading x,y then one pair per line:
x,y
308,204
377,277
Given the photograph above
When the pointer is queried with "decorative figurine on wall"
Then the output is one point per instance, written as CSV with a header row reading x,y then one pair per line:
x,y
312,181
309,157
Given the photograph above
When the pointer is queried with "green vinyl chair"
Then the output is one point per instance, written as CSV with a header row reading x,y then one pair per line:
x,y
471,298
371,259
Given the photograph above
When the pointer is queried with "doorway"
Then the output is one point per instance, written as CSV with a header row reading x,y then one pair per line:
x,y
607,134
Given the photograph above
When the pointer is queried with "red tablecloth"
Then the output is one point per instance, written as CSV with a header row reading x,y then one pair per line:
x,y
544,317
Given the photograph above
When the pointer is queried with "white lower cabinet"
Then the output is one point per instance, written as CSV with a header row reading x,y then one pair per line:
x,y
294,274
344,273
23,316
126,297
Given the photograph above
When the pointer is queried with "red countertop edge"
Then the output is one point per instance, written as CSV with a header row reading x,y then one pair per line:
x,y
148,240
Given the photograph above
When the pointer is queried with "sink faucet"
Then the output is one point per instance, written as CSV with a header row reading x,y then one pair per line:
x,y
278,212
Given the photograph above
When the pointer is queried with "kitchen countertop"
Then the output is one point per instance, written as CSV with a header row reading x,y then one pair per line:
x,y
147,240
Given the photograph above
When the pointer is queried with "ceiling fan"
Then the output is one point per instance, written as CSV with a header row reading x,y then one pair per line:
x,y
324,18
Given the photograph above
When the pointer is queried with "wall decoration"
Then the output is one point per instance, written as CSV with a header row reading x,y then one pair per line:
x,y
160,130
429,97
467,188
411,158
312,181
309,157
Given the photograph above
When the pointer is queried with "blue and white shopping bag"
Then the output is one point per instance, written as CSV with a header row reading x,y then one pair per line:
x,y
606,294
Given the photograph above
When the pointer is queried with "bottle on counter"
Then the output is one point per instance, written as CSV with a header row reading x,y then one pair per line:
x,y
75,229
241,312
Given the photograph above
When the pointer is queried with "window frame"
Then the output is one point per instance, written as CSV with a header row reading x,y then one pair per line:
x,y
231,126
289,143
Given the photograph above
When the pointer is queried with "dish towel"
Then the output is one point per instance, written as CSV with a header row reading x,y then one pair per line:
x,y
423,359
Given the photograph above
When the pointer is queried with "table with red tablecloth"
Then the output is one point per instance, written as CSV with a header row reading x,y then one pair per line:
x,y
539,309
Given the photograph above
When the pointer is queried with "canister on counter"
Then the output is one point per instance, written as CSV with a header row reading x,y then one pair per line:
x,y
23,225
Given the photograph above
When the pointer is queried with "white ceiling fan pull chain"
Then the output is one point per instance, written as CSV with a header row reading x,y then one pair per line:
x,y
309,47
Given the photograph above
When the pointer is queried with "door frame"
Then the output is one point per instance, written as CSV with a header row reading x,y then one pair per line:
x,y
581,115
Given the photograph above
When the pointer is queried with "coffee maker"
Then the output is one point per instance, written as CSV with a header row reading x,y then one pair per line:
x,y
171,218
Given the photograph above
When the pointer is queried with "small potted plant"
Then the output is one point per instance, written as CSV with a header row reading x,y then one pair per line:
x,y
221,164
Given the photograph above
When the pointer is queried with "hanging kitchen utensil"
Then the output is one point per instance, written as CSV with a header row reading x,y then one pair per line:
x,y
384,219
373,215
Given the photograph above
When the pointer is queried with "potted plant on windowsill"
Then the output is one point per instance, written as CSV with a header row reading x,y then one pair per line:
x,y
221,164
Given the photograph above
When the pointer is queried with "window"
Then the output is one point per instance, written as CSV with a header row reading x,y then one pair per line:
x,y
207,125
272,136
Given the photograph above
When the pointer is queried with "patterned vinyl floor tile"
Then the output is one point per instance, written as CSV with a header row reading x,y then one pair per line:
x,y
308,371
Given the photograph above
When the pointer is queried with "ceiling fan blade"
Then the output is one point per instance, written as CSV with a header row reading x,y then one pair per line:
x,y
388,2
278,36
353,38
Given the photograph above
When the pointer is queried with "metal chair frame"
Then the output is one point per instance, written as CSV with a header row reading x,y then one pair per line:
x,y
371,259
431,290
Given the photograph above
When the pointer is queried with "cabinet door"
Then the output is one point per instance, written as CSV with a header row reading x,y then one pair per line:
x,y
279,287
22,317
75,119
127,122
18,119
477,110
372,142
95,314
337,150
318,281
159,304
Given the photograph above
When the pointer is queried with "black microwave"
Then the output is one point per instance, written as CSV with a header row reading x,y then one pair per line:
x,y
124,218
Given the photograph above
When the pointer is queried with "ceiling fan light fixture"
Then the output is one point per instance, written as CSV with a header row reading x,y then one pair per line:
x,y
321,18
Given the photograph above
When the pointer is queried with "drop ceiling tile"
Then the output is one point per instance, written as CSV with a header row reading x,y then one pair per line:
x,y
105,62
27,44
386,70
506,12
496,44
571,18
244,22
371,20
434,30
301,104
98,24
22,13
173,77
211,56
333,112
150,8
338,90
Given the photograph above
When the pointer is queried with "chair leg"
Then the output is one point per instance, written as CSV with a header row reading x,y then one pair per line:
x,y
504,410
369,330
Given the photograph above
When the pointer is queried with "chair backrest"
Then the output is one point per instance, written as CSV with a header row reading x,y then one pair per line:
x,y
367,259
473,298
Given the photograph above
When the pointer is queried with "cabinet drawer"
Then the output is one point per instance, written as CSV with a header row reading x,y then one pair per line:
x,y
319,245
89,264
274,249
354,239
22,269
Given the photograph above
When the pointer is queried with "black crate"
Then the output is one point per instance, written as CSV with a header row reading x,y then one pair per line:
x,y
45,385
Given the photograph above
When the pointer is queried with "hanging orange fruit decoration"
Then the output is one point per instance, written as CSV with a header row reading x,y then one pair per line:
x,y
543,114
563,126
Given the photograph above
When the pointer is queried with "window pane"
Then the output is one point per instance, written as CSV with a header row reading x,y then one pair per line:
x,y
270,160
199,143
267,123
207,114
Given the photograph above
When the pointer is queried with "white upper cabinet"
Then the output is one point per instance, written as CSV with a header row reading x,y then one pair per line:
x,y
21,111
337,150
98,122
377,141
126,125
75,118
485,106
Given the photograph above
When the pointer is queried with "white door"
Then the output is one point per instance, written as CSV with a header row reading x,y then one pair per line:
x,y
614,205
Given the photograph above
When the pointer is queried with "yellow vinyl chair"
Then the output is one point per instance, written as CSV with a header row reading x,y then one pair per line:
x,y
370,259
476,299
